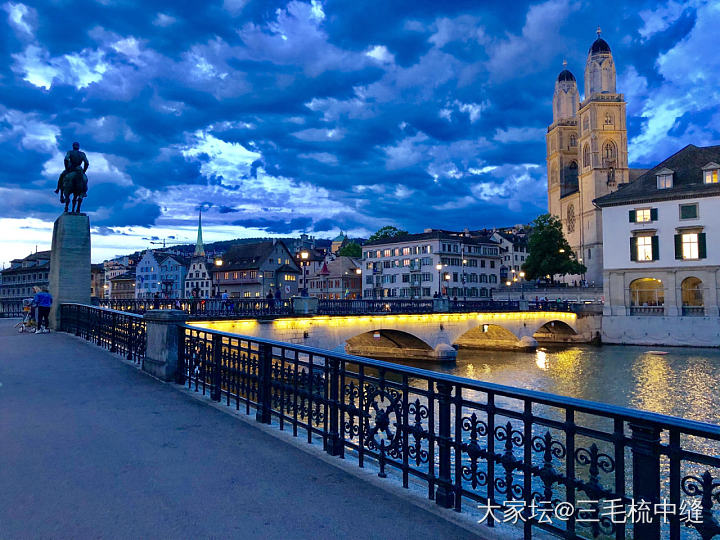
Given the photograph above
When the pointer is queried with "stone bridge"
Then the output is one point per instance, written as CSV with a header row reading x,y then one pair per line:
x,y
434,336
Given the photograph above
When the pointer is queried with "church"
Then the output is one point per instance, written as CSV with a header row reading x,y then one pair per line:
x,y
587,155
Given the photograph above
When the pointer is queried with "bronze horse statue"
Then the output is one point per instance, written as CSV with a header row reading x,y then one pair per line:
x,y
72,181
73,184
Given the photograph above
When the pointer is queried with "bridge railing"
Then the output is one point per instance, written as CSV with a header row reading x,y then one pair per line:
x,y
205,307
11,308
235,307
569,467
117,331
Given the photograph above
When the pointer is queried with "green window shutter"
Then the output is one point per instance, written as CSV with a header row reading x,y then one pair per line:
x,y
633,249
655,248
653,214
702,246
632,216
678,246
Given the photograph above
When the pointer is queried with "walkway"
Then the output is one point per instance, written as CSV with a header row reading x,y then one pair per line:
x,y
92,448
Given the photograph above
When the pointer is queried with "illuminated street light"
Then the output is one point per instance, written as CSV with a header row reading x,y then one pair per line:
x,y
304,255
218,262
561,250
438,267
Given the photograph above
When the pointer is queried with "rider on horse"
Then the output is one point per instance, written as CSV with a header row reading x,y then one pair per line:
x,y
75,162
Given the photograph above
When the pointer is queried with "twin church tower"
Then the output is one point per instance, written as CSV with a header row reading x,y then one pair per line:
x,y
587,154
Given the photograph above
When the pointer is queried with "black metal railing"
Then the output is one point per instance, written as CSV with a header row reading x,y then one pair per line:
x,y
205,307
359,307
529,455
11,308
693,311
466,306
119,332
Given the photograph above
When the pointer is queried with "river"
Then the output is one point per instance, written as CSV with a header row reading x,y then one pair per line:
x,y
683,382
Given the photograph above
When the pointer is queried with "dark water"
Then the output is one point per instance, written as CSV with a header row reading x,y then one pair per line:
x,y
684,382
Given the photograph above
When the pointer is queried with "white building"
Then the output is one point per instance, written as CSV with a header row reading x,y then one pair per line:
x,y
661,263
147,276
421,266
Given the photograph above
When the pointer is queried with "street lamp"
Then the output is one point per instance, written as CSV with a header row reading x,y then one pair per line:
x,y
522,290
438,267
508,286
218,262
463,280
447,287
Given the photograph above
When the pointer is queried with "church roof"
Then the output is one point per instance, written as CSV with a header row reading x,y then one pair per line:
x,y
599,46
566,75
686,166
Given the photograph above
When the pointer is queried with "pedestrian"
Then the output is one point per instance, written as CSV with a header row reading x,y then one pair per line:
x,y
270,300
224,297
278,294
156,300
43,301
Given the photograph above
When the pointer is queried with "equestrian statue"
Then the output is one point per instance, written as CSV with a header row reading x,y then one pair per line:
x,y
73,181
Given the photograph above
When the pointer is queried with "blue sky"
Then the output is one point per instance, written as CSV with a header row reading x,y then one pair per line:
x,y
280,117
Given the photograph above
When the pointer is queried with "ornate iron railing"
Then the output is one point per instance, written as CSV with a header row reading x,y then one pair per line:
x,y
119,332
656,311
205,307
11,308
359,307
528,455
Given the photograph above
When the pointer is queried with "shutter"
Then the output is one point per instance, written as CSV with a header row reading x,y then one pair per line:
x,y
678,246
653,214
702,246
632,216
655,248
633,249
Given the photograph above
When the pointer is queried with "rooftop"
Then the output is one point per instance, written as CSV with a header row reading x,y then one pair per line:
x,y
686,166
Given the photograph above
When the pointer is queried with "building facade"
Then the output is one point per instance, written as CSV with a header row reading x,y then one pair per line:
x,y
97,281
17,282
198,281
309,261
587,155
337,279
123,286
173,270
254,270
147,276
425,265
661,263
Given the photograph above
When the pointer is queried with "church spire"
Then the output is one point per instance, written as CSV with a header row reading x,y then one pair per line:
x,y
199,246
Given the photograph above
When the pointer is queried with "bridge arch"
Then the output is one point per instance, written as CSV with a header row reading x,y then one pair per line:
x,y
386,343
554,331
488,336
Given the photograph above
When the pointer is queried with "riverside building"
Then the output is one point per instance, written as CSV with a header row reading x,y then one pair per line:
x,y
662,263
425,265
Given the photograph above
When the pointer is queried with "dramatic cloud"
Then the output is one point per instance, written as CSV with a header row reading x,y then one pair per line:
x,y
282,116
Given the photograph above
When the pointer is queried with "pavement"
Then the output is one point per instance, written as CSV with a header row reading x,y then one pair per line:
x,y
90,447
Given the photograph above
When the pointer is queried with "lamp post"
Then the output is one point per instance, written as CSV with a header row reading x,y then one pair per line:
x,y
522,290
447,286
463,280
508,286
438,267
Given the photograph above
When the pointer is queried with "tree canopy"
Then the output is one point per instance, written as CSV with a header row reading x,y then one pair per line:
x,y
351,249
549,251
388,231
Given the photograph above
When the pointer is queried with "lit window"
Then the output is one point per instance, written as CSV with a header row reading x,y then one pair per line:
x,y
644,248
690,246
711,177
387,252
642,215
664,178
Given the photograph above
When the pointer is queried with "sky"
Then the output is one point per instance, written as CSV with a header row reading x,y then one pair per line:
x,y
283,117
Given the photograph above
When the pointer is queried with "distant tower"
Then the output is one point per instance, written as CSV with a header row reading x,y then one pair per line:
x,y
561,139
603,152
199,246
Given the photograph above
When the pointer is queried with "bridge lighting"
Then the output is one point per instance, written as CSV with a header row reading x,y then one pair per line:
x,y
485,327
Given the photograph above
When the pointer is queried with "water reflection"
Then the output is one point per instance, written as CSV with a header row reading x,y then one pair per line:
x,y
683,382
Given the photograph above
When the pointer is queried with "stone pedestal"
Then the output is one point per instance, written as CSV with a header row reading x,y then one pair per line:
x,y
162,335
69,263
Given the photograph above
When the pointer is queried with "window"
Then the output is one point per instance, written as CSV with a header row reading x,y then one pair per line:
x,y
664,179
688,211
573,140
711,177
290,277
643,248
586,156
690,246
644,215
609,151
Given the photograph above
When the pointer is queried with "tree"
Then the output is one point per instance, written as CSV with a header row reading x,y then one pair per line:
x,y
550,253
388,231
351,249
